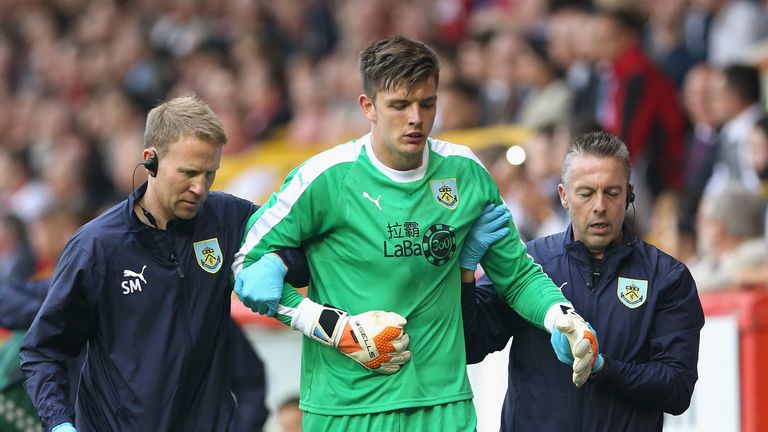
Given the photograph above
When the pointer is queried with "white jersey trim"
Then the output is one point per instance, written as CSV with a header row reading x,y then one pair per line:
x,y
286,198
445,148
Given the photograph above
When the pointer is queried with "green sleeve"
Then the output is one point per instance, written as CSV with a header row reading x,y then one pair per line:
x,y
299,211
291,298
518,279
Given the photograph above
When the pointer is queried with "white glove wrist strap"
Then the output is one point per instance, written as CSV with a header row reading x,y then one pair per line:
x,y
305,316
321,323
554,311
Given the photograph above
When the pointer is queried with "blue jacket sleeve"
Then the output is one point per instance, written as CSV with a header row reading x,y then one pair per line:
x,y
248,383
65,322
298,268
21,301
665,382
488,321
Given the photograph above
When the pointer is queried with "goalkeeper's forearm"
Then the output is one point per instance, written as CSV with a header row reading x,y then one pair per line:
x,y
289,302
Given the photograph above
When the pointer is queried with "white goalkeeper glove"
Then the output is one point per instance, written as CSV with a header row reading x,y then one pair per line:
x,y
375,339
574,343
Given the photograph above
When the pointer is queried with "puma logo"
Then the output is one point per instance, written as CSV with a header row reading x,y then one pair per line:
x,y
375,201
133,274
301,181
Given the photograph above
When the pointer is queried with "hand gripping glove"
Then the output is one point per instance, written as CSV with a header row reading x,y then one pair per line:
x,y
64,427
489,227
375,339
260,285
575,343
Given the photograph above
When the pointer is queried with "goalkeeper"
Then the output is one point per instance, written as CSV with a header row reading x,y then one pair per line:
x,y
384,220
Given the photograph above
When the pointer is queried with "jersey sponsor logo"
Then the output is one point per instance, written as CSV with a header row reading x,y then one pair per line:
x,y
439,244
208,254
632,292
400,242
446,192
133,284
374,201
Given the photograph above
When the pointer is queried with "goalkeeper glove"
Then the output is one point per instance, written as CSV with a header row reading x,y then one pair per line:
x,y
575,343
489,227
375,339
260,285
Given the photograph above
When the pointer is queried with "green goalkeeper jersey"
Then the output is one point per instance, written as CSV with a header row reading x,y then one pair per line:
x,y
380,239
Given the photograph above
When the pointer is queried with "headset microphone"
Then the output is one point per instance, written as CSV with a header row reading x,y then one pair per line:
x,y
630,195
151,219
151,164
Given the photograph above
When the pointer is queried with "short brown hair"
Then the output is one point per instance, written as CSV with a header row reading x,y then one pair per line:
x,y
182,117
391,62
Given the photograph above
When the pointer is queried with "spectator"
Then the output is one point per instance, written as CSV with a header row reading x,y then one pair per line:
x,y
664,39
736,25
549,100
458,107
21,193
701,150
16,259
569,47
638,103
730,238
501,94
736,92
758,146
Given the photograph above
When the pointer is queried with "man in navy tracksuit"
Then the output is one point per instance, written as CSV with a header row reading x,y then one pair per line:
x,y
642,303
22,301
146,288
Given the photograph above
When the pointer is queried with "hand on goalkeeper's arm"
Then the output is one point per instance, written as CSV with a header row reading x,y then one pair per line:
x,y
575,343
260,285
489,227
375,339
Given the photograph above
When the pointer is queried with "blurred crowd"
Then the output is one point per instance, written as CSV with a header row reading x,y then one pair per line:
x,y
678,80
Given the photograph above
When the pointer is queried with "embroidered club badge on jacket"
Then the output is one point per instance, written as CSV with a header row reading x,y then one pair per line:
x,y
632,292
208,254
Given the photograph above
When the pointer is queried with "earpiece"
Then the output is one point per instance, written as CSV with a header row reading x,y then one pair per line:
x,y
151,164
630,194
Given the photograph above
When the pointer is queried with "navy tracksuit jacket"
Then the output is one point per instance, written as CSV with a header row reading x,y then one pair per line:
x,y
153,308
645,309
22,301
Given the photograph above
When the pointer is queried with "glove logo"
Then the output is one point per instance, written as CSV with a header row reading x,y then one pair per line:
x,y
446,192
632,292
208,254
439,244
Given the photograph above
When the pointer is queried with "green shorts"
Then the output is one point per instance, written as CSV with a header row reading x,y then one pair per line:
x,y
451,417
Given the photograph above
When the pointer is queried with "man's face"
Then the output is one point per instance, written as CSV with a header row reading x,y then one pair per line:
x,y
725,102
184,177
758,151
595,197
401,121
609,40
